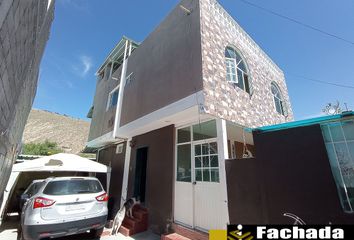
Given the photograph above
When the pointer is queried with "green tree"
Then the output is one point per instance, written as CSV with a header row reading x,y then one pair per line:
x,y
43,149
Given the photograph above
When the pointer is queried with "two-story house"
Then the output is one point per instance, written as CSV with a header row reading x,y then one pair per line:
x,y
168,111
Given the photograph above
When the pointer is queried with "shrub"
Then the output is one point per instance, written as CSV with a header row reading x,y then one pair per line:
x,y
43,149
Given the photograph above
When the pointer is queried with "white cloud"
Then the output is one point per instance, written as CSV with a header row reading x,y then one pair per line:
x,y
84,67
87,64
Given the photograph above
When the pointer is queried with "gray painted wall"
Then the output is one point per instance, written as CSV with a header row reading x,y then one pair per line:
x,y
24,31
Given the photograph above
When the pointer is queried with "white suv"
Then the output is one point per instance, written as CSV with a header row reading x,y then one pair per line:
x,y
65,206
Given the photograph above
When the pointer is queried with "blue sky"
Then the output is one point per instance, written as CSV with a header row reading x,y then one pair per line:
x,y
84,32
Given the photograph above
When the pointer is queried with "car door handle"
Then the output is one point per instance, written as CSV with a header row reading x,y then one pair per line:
x,y
194,183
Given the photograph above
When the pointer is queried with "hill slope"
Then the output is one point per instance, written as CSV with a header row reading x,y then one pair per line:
x,y
70,134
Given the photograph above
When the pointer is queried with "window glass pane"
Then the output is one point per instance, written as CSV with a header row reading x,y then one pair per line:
x,y
230,53
205,162
336,131
242,66
214,175
325,133
336,171
205,149
214,162
247,84
206,175
204,130
240,79
351,152
198,175
114,98
184,135
198,162
198,150
274,90
213,148
278,105
71,187
348,128
184,163
342,153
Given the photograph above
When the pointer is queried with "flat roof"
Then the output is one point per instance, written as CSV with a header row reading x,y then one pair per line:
x,y
306,122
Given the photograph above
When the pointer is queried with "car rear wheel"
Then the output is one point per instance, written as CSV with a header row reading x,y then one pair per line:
x,y
96,233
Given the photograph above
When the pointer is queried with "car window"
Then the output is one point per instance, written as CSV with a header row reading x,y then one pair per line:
x,y
72,186
33,188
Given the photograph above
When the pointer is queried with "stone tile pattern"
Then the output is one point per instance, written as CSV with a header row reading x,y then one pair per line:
x,y
223,99
24,31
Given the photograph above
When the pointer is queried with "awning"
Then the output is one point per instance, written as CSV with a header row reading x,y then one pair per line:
x,y
63,162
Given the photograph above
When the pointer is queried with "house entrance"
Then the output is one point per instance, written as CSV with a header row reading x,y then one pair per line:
x,y
140,173
198,191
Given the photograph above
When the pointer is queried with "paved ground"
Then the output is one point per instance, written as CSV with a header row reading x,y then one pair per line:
x,y
9,230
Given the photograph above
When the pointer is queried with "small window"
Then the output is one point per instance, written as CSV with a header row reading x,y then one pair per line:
x,y
204,130
236,70
113,98
278,99
184,173
184,135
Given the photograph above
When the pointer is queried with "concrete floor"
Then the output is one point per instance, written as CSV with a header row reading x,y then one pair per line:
x,y
9,230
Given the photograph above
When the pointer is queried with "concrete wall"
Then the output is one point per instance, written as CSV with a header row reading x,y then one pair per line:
x,y
159,175
24,31
223,99
291,174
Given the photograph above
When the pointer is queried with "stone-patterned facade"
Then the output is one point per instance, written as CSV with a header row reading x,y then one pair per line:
x,y
223,99
24,31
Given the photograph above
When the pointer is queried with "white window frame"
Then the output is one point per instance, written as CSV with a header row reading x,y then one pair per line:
x,y
236,72
192,143
231,74
109,100
280,100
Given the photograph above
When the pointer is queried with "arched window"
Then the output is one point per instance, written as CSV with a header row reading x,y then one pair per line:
x,y
278,99
236,69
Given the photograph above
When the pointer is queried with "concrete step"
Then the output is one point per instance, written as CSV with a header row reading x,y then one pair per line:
x,y
190,233
137,224
174,236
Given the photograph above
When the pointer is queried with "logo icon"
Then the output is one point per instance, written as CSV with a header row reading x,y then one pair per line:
x,y
239,234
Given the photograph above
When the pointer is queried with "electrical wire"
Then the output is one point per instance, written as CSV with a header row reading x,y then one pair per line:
x,y
323,82
298,22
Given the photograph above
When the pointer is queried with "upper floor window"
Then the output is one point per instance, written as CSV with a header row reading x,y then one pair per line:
x,y
278,99
236,69
113,98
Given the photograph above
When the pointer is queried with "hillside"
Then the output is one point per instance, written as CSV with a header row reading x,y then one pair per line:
x,y
70,134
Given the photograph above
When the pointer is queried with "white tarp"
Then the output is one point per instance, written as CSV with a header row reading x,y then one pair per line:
x,y
61,162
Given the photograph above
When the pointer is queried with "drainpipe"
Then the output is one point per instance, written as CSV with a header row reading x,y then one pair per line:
x,y
121,89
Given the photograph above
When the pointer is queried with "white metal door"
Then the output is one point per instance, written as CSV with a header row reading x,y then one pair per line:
x,y
208,201
200,186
